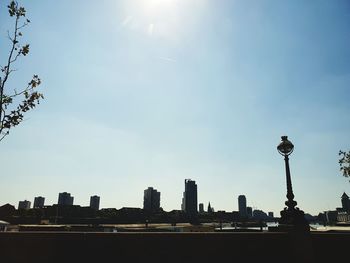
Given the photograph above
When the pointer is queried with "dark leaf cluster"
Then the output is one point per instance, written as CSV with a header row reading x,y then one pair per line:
x,y
15,10
31,99
344,163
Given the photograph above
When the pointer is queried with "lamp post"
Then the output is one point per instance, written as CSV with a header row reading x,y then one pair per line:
x,y
291,217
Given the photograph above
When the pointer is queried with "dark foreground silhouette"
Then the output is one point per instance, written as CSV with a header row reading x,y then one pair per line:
x,y
172,247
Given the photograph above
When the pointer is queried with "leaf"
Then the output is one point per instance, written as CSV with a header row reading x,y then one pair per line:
x,y
25,50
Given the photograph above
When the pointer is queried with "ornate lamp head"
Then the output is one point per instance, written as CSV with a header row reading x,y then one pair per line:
x,y
285,148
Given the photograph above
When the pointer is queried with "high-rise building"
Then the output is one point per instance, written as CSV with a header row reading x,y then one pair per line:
x,y
24,204
95,202
249,212
345,202
201,208
210,209
65,199
151,199
242,206
39,202
189,200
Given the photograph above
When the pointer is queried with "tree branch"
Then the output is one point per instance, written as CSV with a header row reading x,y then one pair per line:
x,y
7,68
3,135
11,114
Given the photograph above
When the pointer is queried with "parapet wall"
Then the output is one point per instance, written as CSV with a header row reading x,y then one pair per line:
x,y
77,247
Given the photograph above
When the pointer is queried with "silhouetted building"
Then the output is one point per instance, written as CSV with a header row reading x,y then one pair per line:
x,y
249,212
235,216
24,204
151,200
189,200
260,215
242,206
345,202
210,210
95,202
65,199
270,214
331,216
39,202
7,210
131,215
201,208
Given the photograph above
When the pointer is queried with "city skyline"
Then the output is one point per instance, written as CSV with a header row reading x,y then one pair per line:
x,y
152,92
151,202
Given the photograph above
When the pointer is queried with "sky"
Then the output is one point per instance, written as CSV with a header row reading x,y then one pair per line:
x,y
142,93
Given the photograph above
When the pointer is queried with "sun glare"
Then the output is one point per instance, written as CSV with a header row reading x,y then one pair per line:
x,y
159,2
156,18
157,7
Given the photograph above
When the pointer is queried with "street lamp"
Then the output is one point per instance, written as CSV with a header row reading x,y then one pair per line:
x,y
291,217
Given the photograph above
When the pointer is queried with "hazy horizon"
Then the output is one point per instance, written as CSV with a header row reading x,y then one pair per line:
x,y
143,93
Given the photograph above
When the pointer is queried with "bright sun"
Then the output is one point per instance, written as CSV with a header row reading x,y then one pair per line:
x,y
154,17
160,2
159,5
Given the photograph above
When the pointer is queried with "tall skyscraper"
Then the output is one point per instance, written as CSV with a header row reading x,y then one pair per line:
x,y
39,202
65,199
151,199
189,200
95,202
24,204
242,206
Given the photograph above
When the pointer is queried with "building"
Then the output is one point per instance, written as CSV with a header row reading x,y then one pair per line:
x,y
343,217
95,202
260,215
24,204
345,202
235,216
242,206
189,200
151,200
201,208
270,214
210,209
39,202
7,210
249,212
65,199
331,216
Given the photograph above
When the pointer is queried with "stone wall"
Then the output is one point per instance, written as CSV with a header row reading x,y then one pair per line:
x,y
77,247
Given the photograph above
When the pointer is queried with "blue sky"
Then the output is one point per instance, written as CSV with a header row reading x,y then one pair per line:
x,y
143,93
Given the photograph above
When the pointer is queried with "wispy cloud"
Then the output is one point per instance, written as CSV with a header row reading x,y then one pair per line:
x,y
167,59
